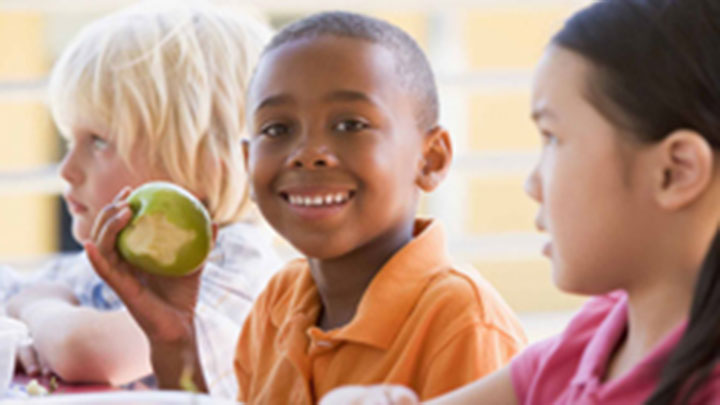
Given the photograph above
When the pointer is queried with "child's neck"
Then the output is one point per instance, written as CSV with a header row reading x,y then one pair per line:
x,y
342,281
653,313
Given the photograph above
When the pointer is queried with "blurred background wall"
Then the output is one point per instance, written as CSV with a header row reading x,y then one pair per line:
x,y
483,53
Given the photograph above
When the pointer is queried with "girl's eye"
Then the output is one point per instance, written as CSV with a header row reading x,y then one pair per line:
x,y
98,142
351,126
547,138
274,130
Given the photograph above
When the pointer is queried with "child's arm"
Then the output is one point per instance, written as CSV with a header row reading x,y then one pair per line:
x,y
164,307
495,389
81,344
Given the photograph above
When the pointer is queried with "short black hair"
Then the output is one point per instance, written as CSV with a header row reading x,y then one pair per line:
x,y
412,65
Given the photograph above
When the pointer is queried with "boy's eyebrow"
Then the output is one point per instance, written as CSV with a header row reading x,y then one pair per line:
x,y
275,100
349,95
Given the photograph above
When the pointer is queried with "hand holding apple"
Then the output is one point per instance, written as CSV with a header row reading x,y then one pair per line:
x,y
164,307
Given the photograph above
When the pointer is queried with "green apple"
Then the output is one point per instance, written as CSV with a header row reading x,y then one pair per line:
x,y
170,233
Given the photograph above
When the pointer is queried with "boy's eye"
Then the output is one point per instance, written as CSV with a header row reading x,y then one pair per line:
x,y
274,130
98,142
351,125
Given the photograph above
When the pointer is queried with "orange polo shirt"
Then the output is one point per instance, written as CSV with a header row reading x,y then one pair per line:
x,y
421,323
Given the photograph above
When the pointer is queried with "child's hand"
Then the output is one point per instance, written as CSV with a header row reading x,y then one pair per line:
x,y
372,395
31,361
162,306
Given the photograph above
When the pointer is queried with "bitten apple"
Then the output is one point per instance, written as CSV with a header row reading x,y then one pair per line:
x,y
170,233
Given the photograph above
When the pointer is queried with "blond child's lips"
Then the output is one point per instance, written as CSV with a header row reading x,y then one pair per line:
x,y
74,206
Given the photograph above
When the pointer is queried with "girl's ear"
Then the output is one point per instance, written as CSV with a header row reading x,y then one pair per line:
x,y
436,159
685,169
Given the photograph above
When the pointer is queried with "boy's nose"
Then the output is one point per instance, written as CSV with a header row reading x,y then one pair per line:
x,y
313,157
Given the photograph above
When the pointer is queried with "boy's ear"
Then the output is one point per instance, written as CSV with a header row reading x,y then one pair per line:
x,y
246,153
436,158
246,162
685,169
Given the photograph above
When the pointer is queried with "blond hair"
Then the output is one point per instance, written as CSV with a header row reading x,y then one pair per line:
x,y
168,79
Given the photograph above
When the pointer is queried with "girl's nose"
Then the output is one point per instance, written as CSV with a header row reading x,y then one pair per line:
x,y
532,185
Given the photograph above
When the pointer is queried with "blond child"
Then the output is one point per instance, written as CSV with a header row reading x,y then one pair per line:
x,y
153,92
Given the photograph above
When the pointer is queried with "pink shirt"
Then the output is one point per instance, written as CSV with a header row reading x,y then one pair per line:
x,y
567,369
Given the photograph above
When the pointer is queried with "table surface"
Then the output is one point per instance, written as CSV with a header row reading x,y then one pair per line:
x,y
21,380
100,394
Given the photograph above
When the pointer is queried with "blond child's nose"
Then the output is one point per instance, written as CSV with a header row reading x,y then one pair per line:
x,y
69,168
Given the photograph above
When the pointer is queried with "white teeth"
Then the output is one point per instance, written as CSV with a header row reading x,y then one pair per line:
x,y
318,200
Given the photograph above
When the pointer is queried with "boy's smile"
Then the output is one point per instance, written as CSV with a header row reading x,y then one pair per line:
x,y
335,149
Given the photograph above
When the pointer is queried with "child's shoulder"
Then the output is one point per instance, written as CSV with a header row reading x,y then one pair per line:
x,y
461,292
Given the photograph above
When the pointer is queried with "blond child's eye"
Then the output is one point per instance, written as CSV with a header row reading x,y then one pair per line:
x,y
98,142
351,126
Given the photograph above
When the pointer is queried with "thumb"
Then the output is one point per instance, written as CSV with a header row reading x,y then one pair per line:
x,y
101,266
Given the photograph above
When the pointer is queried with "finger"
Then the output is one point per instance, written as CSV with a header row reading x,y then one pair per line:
x,y
348,395
123,194
28,359
115,278
402,395
45,368
104,215
108,233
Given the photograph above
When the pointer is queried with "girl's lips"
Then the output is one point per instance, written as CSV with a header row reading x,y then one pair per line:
x,y
547,249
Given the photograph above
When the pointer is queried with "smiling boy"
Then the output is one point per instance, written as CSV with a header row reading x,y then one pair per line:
x,y
343,117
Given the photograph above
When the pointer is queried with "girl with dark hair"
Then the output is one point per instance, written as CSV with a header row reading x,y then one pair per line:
x,y
627,101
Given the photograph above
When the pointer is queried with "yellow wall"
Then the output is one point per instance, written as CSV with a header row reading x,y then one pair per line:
x,y
28,222
527,285
506,39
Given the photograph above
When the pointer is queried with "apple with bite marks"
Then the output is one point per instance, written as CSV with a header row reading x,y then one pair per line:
x,y
170,232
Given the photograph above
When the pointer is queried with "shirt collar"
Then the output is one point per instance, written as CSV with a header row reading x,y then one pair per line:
x,y
396,288
595,359
390,297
